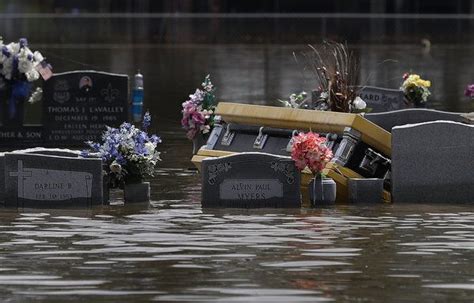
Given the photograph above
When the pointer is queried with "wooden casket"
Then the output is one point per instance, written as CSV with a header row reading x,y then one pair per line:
x,y
361,148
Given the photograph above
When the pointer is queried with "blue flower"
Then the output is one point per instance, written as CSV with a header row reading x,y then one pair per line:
x,y
130,148
121,160
155,139
23,42
6,52
84,153
146,120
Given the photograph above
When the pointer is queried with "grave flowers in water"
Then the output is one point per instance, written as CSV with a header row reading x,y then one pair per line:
x,y
336,71
198,114
129,155
469,91
296,100
309,151
19,68
415,89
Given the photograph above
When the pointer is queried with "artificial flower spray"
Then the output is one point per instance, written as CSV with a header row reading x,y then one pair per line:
x,y
137,98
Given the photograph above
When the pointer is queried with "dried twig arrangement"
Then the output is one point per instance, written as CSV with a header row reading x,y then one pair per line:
x,y
337,72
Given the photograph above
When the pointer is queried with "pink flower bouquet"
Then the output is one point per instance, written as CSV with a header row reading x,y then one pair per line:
x,y
310,150
469,91
198,111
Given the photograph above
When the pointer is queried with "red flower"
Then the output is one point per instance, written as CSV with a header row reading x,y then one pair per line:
x,y
309,150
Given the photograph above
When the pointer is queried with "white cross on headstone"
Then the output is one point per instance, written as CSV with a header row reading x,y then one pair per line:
x,y
21,174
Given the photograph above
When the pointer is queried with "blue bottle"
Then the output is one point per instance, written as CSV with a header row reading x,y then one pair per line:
x,y
137,98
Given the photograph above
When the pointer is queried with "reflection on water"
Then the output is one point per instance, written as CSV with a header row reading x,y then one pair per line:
x,y
261,74
173,251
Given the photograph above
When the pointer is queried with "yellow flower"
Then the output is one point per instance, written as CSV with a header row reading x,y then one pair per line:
x,y
415,79
424,83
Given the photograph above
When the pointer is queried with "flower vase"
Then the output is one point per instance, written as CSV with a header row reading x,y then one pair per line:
x,y
13,96
199,141
136,192
322,191
105,190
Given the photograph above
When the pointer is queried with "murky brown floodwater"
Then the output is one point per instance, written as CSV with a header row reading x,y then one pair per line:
x,y
172,250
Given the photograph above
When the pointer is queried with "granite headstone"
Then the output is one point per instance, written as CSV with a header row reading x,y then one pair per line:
x,y
2,178
433,162
37,181
250,180
382,99
21,136
388,120
36,150
78,105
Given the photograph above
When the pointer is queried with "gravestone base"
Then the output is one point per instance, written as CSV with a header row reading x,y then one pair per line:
x,y
365,190
322,192
136,192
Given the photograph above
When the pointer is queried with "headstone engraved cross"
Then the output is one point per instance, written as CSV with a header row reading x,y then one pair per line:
x,y
35,180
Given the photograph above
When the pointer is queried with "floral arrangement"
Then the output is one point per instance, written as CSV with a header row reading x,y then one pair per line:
x,y
310,150
336,70
198,111
129,153
415,89
469,91
19,67
295,100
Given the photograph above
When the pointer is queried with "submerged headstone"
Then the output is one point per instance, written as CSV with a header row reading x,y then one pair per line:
x,y
78,105
37,181
21,136
388,120
2,178
382,99
433,162
250,180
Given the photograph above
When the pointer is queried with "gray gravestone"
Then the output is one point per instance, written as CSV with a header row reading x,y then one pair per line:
x,y
250,180
21,136
62,152
78,105
35,150
365,190
2,178
389,120
433,162
33,180
382,99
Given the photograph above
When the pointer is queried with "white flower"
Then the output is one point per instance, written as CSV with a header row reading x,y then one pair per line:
x,y
324,95
150,148
359,104
25,60
205,129
13,48
36,96
7,67
38,57
115,167
32,75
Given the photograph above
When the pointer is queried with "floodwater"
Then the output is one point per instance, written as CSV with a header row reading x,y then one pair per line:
x,y
172,250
